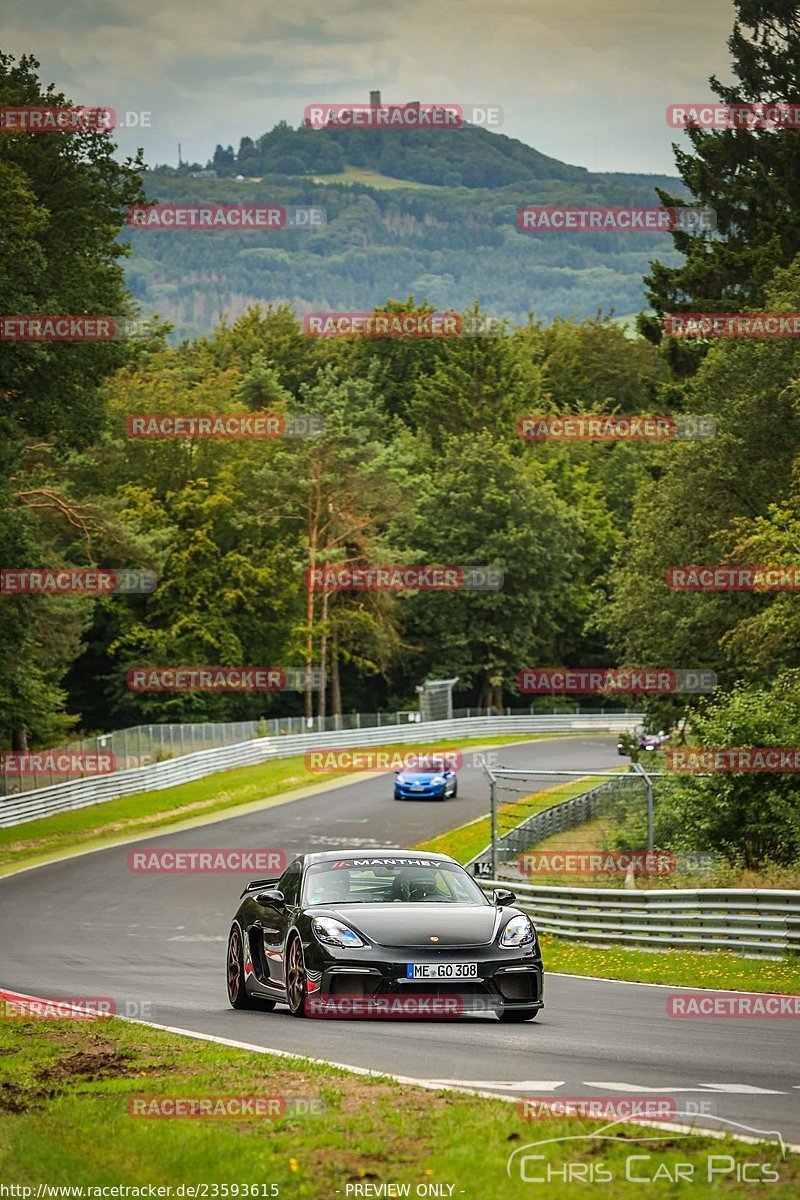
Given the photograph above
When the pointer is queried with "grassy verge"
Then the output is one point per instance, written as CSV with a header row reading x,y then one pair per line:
x,y
66,1089
714,969
153,812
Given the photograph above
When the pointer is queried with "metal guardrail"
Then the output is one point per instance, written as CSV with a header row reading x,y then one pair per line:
x,y
758,921
79,793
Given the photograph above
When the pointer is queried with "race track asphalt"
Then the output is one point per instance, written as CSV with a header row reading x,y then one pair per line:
x,y
87,926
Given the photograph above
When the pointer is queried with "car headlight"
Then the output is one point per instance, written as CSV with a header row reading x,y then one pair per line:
x,y
334,933
438,779
518,932
401,779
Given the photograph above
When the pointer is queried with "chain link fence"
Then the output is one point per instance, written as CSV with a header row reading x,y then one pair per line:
x,y
599,828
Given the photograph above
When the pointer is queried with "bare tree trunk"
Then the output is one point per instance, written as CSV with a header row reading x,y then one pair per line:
x,y
19,740
313,539
323,659
336,692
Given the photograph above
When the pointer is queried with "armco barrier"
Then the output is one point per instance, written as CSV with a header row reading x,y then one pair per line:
x,y
758,921
79,793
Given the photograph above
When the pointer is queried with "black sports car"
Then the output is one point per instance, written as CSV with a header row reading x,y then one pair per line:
x,y
382,933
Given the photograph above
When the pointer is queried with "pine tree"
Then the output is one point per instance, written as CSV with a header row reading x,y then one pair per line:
x,y
749,177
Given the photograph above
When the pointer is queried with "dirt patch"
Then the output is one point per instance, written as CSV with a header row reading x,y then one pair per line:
x,y
15,1100
88,1066
355,1094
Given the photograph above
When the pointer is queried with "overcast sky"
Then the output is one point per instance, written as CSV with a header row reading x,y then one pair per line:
x,y
586,81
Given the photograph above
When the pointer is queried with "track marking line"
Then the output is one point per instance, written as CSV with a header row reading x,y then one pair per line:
x,y
733,1089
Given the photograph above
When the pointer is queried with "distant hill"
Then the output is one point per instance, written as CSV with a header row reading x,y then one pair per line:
x,y
431,213
462,157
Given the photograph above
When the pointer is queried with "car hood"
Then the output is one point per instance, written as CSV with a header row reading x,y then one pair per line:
x,y
407,924
421,776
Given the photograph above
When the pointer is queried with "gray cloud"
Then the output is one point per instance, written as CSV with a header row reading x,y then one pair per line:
x,y
585,83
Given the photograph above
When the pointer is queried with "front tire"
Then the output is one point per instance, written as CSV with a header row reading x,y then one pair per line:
x,y
296,981
517,1015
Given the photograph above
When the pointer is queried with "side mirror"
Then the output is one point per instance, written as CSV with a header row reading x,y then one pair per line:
x,y
273,899
503,896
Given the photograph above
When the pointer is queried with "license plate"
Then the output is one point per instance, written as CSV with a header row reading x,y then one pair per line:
x,y
441,970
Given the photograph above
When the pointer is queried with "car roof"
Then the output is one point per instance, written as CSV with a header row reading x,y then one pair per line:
x,y
372,852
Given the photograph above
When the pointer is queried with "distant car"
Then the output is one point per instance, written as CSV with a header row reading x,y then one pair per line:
x,y
643,741
434,784
653,741
381,924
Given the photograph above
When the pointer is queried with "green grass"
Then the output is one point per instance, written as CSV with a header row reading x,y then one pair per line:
x,y
189,803
716,969
65,1090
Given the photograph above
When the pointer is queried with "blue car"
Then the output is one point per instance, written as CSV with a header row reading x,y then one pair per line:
x,y
425,785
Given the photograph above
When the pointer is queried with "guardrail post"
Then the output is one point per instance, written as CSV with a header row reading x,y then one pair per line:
x,y
493,796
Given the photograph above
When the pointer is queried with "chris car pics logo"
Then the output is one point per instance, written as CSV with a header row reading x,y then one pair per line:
x,y
609,1154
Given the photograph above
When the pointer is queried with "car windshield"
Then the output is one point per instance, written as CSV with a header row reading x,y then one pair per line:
x,y
432,767
389,881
